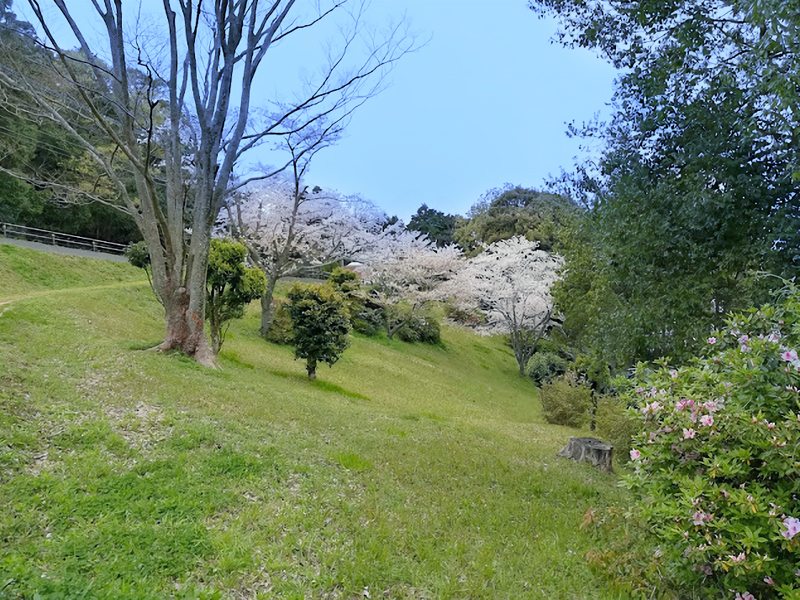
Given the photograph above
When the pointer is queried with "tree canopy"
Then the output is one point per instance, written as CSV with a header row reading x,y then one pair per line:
x,y
503,213
437,226
694,194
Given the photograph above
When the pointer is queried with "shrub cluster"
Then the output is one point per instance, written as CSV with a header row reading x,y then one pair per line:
x,y
543,367
717,462
421,327
566,401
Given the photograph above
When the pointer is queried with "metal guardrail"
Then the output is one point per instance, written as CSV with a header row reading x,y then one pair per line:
x,y
54,238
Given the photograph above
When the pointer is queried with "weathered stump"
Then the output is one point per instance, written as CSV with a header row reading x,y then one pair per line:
x,y
590,450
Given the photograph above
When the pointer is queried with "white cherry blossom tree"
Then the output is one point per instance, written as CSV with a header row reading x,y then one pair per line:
x,y
289,229
409,269
510,282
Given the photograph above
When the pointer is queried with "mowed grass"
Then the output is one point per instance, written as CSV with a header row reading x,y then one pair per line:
x,y
405,471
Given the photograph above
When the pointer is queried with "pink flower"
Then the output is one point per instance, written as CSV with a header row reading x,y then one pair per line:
x,y
640,390
688,433
744,348
707,420
744,596
712,340
789,355
770,425
744,339
726,494
768,580
653,407
683,404
792,527
700,517
712,405
635,454
738,558
673,373
773,337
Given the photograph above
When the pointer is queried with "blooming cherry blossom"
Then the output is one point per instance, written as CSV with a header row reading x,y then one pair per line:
x,y
510,282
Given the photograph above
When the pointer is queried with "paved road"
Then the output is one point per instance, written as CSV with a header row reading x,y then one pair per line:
x,y
62,249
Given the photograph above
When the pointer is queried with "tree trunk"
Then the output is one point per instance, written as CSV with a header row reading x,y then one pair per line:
x,y
311,368
589,450
267,308
185,329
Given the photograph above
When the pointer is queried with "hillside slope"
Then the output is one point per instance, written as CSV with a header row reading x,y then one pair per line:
x,y
405,471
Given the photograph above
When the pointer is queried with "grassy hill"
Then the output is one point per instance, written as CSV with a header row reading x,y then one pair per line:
x,y
405,471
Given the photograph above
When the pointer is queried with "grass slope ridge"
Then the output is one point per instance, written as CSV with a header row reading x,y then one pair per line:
x,y
406,471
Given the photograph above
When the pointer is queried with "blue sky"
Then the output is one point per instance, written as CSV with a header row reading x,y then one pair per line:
x,y
484,102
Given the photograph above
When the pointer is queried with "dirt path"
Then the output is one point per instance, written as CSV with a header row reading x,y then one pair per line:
x,y
4,302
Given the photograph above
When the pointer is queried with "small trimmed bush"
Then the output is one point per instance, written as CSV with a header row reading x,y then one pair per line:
x,y
543,367
320,323
566,401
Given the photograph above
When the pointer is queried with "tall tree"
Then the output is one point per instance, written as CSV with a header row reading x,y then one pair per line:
x,y
693,195
177,112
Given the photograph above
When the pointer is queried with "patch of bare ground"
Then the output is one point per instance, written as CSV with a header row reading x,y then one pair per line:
x,y
143,427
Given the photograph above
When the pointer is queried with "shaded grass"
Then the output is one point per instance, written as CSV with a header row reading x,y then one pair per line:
x,y
406,470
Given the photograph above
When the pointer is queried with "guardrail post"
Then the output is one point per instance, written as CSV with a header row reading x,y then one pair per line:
x,y
53,237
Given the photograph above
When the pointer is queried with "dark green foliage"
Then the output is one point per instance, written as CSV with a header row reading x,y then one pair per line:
x,y
138,255
694,193
503,213
566,401
417,326
543,367
368,319
437,226
230,286
320,322
54,178
344,280
280,330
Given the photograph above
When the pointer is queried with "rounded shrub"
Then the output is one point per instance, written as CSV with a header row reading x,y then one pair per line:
x,y
566,401
543,367
717,461
423,327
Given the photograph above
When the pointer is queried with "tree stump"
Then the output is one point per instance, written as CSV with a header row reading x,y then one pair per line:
x,y
590,450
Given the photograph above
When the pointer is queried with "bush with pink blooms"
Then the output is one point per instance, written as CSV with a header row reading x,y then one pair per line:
x,y
717,460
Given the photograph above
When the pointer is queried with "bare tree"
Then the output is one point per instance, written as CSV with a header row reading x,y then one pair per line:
x,y
174,120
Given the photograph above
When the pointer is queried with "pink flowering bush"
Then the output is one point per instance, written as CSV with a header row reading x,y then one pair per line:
x,y
717,459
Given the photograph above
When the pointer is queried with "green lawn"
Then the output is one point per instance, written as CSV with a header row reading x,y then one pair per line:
x,y
405,471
